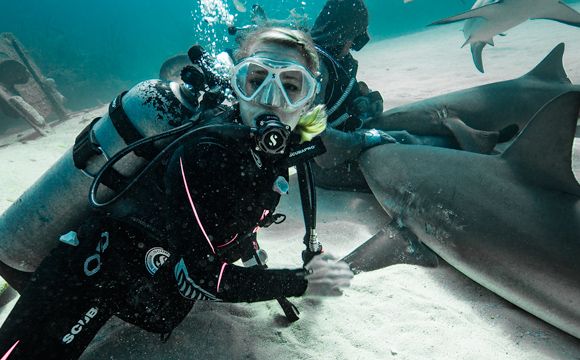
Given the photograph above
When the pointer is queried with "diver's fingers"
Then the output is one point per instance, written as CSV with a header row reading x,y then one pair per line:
x,y
326,287
326,273
344,282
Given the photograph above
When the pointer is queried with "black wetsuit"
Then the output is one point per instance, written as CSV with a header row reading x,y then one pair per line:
x,y
340,89
338,81
170,244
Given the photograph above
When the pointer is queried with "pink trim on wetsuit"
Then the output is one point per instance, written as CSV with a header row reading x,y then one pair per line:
x,y
193,206
5,357
220,278
229,242
264,214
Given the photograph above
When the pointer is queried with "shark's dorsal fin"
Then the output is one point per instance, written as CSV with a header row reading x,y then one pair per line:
x,y
551,68
543,150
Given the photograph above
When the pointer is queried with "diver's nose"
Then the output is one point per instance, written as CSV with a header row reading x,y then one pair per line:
x,y
271,95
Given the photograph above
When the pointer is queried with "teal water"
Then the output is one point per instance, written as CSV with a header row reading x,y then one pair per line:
x,y
94,50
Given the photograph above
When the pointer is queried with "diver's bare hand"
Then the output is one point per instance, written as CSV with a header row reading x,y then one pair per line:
x,y
327,277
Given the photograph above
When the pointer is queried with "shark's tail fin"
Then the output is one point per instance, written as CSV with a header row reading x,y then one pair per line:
x,y
545,150
552,67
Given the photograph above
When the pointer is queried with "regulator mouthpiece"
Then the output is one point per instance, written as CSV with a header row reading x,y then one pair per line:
x,y
272,135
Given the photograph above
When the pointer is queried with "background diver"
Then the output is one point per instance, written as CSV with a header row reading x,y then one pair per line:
x,y
342,26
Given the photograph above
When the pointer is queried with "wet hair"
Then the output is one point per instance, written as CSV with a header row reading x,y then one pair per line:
x,y
295,39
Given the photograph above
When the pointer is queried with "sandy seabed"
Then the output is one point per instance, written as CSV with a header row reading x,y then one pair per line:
x,y
401,312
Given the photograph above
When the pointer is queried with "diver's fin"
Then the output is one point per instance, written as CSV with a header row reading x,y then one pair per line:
x,y
476,49
562,13
484,11
508,133
551,68
470,139
545,150
390,246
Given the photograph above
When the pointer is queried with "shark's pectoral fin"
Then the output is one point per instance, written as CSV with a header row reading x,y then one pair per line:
x,y
467,41
484,11
470,139
476,49
562,13
390,246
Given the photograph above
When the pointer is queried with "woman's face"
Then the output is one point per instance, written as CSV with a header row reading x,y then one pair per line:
x,y
292,83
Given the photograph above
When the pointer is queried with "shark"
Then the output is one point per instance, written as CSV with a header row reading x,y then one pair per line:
x,y
509,221
489,18
481,117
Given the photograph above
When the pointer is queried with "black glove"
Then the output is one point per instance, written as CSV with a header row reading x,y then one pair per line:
x,y
374,137
367,106
193,76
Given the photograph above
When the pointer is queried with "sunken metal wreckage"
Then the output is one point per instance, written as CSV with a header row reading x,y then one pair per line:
x,y
26,95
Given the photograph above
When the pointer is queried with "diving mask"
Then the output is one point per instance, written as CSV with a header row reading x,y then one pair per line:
x,y
360,41
280,84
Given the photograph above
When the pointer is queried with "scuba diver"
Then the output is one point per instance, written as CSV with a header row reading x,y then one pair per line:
x,y
173,236
342,26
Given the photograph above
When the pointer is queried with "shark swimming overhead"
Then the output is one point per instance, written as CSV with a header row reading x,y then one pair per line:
x,y
481,116
488,18
510,222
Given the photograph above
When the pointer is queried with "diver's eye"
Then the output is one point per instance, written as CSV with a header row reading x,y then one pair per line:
x,y
291,88
255,76
254,80
292,82
255,83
